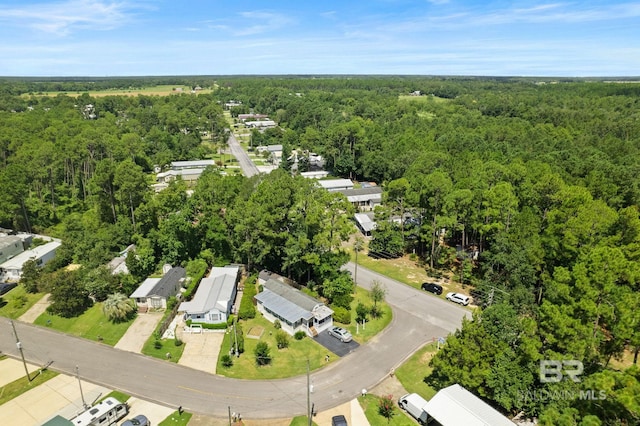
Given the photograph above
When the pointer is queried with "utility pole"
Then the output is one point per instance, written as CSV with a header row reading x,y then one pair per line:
x,y
229,414
19,345
84,404
308,395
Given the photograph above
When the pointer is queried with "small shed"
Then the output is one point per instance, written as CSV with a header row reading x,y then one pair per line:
x,y
365,223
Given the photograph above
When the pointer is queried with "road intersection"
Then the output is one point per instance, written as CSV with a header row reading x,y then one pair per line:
x,y
418,318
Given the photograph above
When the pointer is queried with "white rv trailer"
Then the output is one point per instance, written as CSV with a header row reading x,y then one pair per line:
x,y
107,412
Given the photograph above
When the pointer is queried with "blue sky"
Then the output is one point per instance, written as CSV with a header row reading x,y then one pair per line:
x,y
214,37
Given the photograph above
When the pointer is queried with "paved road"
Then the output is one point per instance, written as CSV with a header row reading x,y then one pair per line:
x,y
248,168
418,318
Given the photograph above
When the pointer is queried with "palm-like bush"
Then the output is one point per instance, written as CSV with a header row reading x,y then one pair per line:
x,y
119,308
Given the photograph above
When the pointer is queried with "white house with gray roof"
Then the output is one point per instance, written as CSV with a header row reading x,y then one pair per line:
x,y
213,301
295,310
153,293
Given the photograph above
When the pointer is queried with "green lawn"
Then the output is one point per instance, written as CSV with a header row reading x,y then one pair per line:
x,y
369,404
22,385
92,325
17,301
412,373
288,362
176,419
301,421
373,326
168,347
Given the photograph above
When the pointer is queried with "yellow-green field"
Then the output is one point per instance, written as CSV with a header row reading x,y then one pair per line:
x,y
162,90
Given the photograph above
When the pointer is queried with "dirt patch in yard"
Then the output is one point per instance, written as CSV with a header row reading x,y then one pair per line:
x,y
255,332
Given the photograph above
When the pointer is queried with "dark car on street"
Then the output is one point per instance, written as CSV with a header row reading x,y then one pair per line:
x,y
338,421
432,288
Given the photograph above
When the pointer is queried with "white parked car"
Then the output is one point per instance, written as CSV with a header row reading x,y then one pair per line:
x,y
340,333
462,299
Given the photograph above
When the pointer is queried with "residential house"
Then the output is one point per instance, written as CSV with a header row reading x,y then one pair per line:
x,y
332,185
153,293
319,174
363,199
213,301
10,246
260,124
245,117
11,270
188,175
192,164
295,310
118,265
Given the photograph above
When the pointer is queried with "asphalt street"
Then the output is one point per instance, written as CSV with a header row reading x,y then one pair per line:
x,y
418,318
248,168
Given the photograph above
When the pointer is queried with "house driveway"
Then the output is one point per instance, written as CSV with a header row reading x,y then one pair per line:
x,y
201,349
138,333
36,310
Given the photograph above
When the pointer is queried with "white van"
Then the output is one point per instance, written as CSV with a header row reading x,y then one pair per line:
x,y
414,404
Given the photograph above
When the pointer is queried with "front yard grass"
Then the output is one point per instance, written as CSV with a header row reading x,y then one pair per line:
x,y
168,347
288,362
17,301
22,385
374,325
369,404
412,373
176,419
92,325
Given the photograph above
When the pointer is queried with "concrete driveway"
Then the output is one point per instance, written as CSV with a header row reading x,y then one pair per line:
x,y
201,348
138,333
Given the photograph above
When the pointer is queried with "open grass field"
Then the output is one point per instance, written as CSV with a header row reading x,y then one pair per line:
x,y
163,90
17,301
92,325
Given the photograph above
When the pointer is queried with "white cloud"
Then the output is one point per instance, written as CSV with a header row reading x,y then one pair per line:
x,y
64,17
258,22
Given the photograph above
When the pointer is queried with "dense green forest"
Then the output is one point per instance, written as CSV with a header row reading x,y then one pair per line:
x,y
540,177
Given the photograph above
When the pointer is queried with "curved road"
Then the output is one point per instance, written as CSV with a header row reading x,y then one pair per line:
x,y
418,318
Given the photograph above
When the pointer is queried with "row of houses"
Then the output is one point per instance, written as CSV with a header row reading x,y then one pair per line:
x,y
213,301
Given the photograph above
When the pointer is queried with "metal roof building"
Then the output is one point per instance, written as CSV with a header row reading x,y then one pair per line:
x,y
193,164
215,295
336,184
454,406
